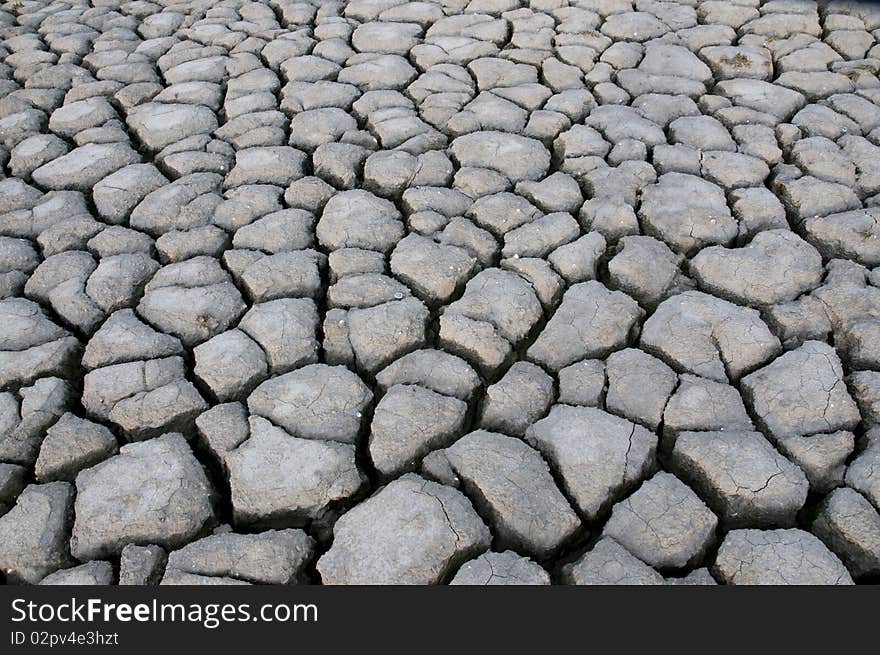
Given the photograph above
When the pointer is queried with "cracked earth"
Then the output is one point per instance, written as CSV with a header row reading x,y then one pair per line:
x,y
454,291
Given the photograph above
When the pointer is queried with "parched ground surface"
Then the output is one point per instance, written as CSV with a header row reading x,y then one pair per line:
x,y
480,292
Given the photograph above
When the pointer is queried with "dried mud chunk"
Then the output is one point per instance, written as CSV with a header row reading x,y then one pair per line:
x,y
757,557
433,369
192,300
34,533
777,266
590,322
411,532
516,157
434,271
409,422
850,527
380,334
71,445
638,386
314,402
742,476
151,492
687,213
664,523
512,486
609,563
802,392
597,455
708,336
505,568
144,398
358,219
271,557
279,479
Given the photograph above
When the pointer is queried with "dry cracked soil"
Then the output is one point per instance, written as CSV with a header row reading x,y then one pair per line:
x,y
451,291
